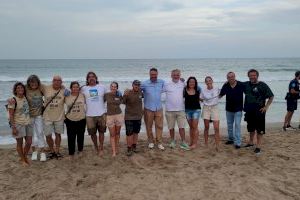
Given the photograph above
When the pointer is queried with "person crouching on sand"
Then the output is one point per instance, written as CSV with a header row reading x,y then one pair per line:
x,y
20,122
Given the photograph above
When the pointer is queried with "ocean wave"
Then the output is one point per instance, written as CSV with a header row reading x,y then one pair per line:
x,y
125,79
128,79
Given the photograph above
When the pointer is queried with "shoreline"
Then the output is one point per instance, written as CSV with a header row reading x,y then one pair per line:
x,y
143,135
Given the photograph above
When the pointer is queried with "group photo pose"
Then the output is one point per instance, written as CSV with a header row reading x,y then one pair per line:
x,y
38,111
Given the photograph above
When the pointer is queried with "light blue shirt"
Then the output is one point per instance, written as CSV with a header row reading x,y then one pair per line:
x,y
152,94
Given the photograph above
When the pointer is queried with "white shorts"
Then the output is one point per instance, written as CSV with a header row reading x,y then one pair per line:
x,y
210,113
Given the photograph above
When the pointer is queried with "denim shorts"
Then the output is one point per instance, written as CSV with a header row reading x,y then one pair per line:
x,y
193,114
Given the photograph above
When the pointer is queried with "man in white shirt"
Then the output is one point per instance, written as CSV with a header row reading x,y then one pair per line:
x,y
95,111
175,108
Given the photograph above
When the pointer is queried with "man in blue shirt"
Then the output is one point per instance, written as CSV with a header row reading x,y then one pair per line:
x,y
153,111
291,101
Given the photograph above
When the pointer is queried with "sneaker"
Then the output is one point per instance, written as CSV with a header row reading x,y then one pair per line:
x,y
52,155
237,146
43,157
129,152
229,142
184,146
34,155
257,151
290,128
248,145
161,147
172,144
151,145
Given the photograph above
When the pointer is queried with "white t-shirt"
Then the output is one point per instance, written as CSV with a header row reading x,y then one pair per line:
x,y
94,96
174,96
210,97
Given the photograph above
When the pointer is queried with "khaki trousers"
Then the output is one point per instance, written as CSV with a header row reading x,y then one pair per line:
x,y
157,118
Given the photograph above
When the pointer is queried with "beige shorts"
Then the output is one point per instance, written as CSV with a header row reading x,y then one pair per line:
x,y
114,120
53,127
210,113
175,116
24,130
94,123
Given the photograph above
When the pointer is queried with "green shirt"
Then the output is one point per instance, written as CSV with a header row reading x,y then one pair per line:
x,y
256,95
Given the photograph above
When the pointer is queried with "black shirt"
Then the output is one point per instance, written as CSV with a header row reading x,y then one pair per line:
x,y
234,96
256,95
191,101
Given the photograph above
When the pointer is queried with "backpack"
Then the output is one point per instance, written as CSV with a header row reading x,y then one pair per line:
x,y
7,111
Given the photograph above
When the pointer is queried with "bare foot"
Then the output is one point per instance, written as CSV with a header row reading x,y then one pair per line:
x,y
101,153
217,148
114,155
71,157
26,160
24,163
193,146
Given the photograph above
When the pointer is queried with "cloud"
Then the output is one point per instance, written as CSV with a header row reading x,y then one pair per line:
x,y
148,23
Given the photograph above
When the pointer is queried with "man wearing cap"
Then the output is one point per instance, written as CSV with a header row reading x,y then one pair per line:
x,y
291,101
153,111
133,115
175,111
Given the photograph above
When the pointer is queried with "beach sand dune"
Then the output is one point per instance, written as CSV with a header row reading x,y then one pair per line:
x,y
172,174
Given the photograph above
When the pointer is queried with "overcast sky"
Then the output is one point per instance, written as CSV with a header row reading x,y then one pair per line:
x,y
149,28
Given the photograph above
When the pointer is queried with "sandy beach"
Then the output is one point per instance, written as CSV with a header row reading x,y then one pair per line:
x,y
152,174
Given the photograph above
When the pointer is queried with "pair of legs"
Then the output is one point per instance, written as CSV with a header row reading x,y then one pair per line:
x,y
114,123
133,127
234,120
259,137
114,139
95,123
23,151
192,117
256,127
56,127
24,132
173,117
157,118
57,142
75,130
216,124
194,132
291,107
38,140
211,113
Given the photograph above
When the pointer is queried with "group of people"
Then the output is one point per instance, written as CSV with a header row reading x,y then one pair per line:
x,y
37,110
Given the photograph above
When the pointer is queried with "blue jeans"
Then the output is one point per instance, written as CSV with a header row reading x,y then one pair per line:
x,y
234,118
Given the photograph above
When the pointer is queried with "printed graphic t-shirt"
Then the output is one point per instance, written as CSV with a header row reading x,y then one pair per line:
x,y
94,97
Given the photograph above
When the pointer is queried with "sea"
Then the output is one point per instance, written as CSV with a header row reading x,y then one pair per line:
x,y
276,72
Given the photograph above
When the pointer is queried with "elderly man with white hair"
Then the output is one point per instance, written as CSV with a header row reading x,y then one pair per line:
x,y
54,114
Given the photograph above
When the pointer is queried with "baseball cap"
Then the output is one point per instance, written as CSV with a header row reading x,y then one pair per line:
x,y
136,82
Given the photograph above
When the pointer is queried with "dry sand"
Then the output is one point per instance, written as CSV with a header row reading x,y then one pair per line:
x,y
172,174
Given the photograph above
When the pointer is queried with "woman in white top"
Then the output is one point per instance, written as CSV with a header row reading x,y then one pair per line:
x,y
210,98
